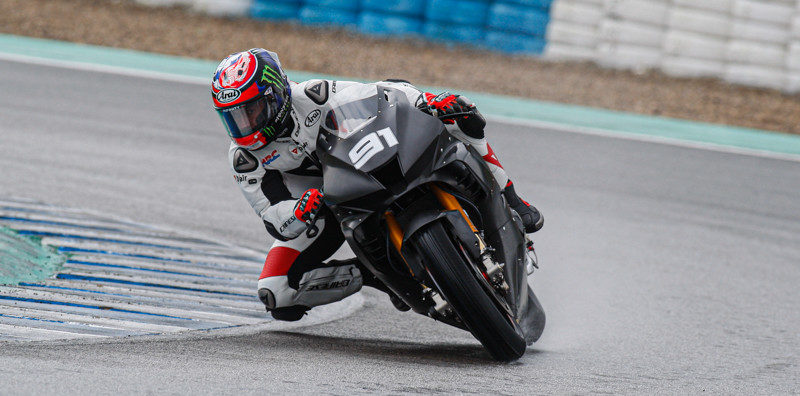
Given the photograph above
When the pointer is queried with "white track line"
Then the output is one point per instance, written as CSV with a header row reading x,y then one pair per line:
x,y
644,138
123,71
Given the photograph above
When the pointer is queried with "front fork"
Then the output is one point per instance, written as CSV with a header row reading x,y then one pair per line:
x,y
493,272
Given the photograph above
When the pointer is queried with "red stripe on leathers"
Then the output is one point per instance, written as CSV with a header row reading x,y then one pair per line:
x,y
491,158
279,260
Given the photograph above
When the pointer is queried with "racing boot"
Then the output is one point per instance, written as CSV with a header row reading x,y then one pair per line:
x,y
531,218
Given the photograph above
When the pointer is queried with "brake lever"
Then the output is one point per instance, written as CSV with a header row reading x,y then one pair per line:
x,y
453,115
311,225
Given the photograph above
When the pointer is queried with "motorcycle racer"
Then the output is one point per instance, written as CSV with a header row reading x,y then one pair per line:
x,y
273,124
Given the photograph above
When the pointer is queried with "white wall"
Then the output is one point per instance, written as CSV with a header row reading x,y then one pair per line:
x,y
751,42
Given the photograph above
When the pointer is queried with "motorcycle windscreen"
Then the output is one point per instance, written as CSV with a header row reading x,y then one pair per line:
x,y
350,110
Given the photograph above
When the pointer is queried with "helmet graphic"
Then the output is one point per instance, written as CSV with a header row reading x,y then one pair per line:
x,y
252,97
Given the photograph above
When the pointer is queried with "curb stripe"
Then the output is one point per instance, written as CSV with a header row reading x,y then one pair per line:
x,y
133,243
96,239
33,300
68,249
124,278
58,223
25,284
110,280
141,269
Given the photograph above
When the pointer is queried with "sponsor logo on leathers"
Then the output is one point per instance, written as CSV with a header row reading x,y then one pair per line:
x,y
313,117
329,285
270,158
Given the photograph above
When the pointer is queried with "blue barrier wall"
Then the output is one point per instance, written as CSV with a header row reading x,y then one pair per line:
x,y
513,26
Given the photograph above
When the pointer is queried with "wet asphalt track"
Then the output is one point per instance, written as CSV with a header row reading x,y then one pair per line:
x,y
664,269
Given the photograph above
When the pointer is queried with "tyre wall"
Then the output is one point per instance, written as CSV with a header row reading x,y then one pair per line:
x,y
746,42
750,42
512,26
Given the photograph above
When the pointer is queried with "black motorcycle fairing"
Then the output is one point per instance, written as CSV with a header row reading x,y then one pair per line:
x,y
368,160
394,177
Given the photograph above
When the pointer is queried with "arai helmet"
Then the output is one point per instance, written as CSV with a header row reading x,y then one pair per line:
x,y
252,97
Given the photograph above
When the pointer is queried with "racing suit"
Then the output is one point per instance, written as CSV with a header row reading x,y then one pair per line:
x,y
273,177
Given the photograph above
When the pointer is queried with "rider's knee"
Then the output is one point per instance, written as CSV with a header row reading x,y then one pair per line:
x,y
274,292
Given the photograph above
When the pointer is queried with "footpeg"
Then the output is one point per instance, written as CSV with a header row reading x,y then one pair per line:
x,y
531,259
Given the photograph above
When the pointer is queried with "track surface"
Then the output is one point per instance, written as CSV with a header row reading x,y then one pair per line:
x,y
664,269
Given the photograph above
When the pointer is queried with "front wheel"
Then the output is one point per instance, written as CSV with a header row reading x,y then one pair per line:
x,y
458,284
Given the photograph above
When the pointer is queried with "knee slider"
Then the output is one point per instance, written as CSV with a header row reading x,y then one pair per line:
x,y
289,314
275,292
266,297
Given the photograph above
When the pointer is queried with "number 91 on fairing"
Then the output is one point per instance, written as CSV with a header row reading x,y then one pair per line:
x,y
370,145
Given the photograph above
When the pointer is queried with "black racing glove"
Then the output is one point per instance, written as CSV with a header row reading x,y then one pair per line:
x,y
452,108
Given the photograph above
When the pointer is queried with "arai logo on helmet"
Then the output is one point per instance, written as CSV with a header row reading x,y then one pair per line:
x,y
228,95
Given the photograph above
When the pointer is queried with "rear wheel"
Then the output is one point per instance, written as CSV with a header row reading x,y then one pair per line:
x,y
458,284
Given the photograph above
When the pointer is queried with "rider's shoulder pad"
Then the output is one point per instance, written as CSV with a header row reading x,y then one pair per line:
x,y
317,91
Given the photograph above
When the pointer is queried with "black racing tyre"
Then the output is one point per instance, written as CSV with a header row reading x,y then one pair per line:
x,y
457,283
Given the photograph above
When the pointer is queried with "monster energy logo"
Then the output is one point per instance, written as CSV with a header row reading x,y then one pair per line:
x,y
271,76
268,131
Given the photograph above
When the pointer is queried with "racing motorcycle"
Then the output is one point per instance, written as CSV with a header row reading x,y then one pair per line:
x,y
422,212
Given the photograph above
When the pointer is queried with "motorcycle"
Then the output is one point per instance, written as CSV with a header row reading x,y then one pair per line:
x,y
422,212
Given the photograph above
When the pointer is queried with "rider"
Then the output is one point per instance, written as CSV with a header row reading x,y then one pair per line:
x,y
273,123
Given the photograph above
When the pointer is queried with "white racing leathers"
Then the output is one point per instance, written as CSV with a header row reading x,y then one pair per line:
x,y
273,178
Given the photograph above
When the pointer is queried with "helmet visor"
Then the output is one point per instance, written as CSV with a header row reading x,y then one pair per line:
x,y
247,118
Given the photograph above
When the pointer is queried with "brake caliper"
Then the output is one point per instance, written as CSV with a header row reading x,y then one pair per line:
x,y
494,271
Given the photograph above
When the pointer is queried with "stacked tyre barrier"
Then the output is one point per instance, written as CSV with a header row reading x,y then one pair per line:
x,y
750,42
747,42
512,26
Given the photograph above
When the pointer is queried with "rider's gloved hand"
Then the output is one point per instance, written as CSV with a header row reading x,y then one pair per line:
x,y
452,108
308,205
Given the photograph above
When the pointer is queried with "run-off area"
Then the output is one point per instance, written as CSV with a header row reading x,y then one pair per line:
x,y
122,278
